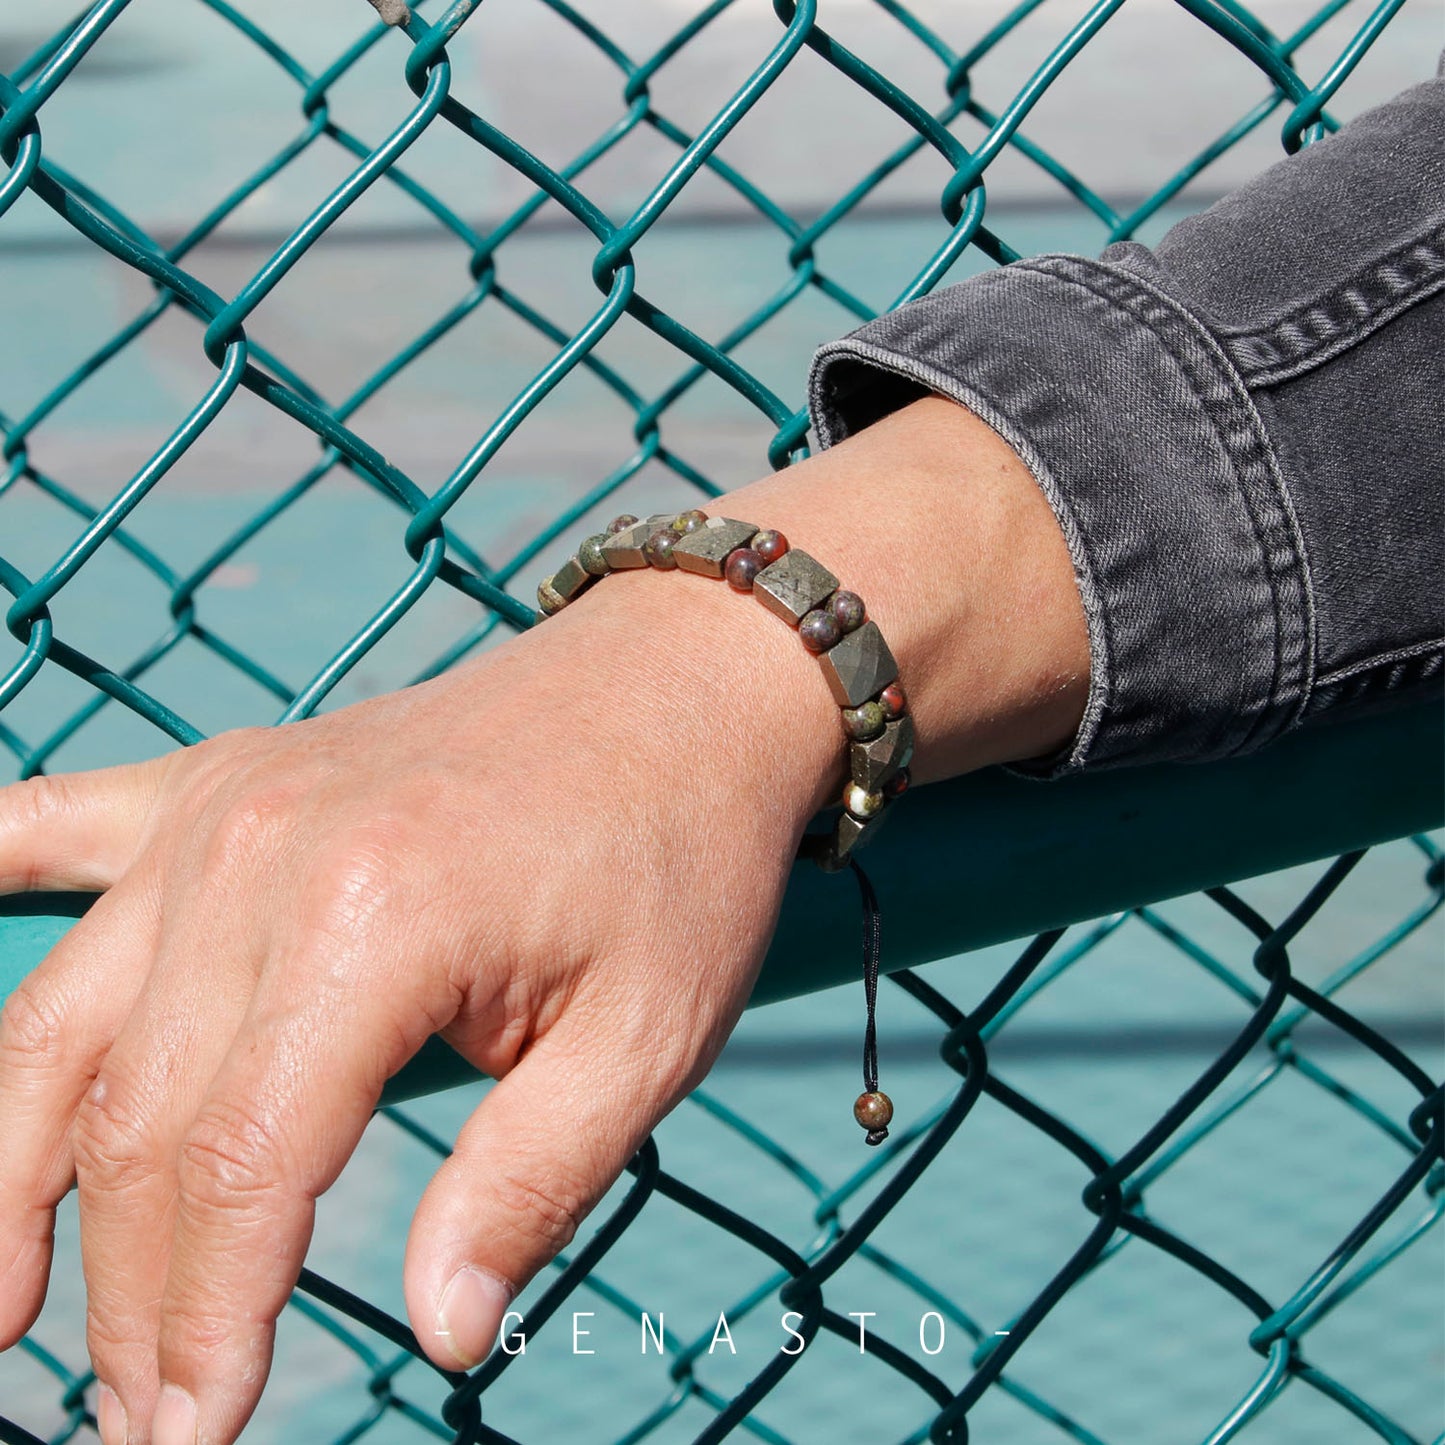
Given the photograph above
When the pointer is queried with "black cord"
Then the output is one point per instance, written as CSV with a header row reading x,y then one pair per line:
x,y
872,954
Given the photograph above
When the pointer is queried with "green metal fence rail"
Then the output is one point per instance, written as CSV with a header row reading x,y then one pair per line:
x,y
983,860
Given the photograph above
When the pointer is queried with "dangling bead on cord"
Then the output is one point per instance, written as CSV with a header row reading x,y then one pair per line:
x,y
872,1109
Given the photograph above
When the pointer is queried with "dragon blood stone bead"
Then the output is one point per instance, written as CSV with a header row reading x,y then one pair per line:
x,y
589,554
689,521
658,549
618,523
864,722
861,803
742,565
770,545
897,784
893,701
819,630
873,1111
848,610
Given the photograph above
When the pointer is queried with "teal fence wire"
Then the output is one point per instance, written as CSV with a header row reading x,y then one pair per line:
x,y
369,366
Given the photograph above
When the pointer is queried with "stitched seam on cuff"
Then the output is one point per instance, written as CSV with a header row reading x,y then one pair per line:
x,y
1202,361
1327,325
1383,659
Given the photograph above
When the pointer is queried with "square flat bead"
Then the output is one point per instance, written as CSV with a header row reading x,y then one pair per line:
x,y
572,579
859,666
873,763
705,550
624,549
793,585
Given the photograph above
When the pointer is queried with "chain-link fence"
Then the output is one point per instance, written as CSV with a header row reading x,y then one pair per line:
x,y
182,558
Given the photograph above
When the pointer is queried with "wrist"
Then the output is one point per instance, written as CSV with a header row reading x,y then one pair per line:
x,y
934,520
720,686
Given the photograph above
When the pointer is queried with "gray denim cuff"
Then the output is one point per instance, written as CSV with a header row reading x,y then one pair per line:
x,y
1151,453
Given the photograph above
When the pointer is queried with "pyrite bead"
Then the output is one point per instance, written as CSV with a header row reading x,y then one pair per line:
x,y
873,1111
570,581
770,545
618,523
894,702
706,550
865,722
792,587
861,803
859,667
689,521
589,554
819,630
741,567
658,549
624,549
873,762
848,610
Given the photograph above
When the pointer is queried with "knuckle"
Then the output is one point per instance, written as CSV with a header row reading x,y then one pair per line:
x,y
32,1026
110,1331
113,1138
546,1211
245,828
353,881
230,1160
26,809
37,800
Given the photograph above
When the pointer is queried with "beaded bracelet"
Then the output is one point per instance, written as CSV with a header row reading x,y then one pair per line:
x,y
861,673
831,622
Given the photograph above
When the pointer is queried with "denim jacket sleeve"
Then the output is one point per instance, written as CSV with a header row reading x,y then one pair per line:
x,y
1240,433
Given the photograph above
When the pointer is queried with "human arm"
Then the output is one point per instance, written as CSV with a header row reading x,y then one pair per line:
x,y
341,890
521,855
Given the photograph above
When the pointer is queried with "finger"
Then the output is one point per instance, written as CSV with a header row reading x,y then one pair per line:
x,y
542,1148
55,1030
128,1131
76,830
285,1112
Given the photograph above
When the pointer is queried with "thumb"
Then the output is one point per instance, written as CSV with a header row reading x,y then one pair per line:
x,y
541,1149
75,830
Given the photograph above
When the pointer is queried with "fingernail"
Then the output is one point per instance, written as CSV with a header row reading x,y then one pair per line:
x,y
469,1316
110,1417
175,1418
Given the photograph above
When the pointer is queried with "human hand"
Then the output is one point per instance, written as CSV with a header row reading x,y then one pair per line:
x,y
522,856
550,858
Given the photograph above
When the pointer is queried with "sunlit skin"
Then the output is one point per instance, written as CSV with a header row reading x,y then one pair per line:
x,y
522,855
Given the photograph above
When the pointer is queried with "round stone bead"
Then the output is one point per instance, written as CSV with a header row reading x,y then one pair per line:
x,y
873,1111
689,521
589,554
741,566
893,701
848,610
898,783
658,549
818,630
865,722
861,803
618,523
770,545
